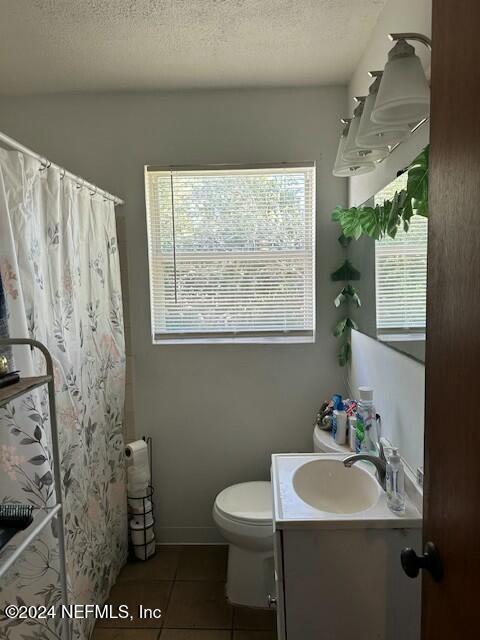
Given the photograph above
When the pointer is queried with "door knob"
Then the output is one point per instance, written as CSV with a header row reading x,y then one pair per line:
x,y
429,561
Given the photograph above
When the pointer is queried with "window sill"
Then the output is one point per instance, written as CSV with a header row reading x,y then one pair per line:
x,y
239,340
401,337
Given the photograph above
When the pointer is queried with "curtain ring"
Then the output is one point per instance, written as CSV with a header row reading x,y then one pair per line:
x,y
80,185
62,173
44,164
93,193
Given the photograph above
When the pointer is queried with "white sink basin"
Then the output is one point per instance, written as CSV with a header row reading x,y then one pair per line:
x,y
328,485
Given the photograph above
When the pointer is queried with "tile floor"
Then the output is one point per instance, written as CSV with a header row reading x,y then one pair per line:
x,y
188,585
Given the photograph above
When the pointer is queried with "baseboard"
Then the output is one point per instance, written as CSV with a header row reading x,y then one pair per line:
x,y
188,535
192,544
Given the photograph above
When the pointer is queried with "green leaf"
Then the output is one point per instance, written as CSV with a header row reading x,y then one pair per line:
x,y
407,212
417,183
340,299
349,221
342,326
370,219
351,225
348,292
346,272
352,292
395,213
420,207
393,231
344,354
337,214
351,324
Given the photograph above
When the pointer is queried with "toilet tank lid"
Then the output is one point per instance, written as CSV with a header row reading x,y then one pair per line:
x,y
247,501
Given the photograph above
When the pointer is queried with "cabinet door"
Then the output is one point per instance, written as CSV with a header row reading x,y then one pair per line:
x,y
348,584
279,595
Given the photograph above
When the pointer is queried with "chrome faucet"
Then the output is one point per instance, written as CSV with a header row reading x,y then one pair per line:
x,y
379,462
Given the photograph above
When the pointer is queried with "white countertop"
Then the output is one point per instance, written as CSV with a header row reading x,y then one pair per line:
x,y
290,511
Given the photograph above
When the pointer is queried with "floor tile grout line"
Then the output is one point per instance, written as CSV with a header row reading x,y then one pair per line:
x,y
222,580
169,599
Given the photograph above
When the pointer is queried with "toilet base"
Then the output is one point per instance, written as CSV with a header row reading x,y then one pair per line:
x,y
250,577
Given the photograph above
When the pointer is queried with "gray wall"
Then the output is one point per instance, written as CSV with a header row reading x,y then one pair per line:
x,y
216,412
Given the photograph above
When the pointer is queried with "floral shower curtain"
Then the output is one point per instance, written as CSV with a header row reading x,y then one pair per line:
x,y
60,277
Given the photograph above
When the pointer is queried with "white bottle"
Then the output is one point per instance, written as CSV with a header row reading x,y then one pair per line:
x,y
366,422
352,432
395,483
340,416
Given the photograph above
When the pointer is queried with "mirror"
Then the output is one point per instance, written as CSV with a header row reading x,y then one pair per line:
x,y
393,270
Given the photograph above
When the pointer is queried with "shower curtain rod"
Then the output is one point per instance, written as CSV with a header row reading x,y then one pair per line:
x,y
80,182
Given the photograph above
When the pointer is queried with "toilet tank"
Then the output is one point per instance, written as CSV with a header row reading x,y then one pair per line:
x,y
324,443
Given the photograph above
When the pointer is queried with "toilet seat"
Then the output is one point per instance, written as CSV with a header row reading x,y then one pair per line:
x,y
247,503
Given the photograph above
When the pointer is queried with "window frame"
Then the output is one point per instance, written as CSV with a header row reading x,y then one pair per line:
x,y
242,336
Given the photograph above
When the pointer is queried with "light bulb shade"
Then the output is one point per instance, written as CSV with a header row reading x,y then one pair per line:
x,y
372,135
355,152
344,168
404,94
354,170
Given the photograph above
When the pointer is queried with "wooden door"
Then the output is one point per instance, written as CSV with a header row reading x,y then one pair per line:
x,y
452,429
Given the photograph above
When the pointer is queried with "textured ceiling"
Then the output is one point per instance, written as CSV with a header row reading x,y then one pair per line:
x,y
92,45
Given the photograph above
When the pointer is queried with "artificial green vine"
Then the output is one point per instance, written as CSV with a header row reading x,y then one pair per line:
x,y
386,219
347,295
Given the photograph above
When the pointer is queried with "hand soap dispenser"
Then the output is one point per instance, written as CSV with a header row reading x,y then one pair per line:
x,y
395,483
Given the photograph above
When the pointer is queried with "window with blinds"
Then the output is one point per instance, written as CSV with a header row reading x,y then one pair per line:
x,y
232,253
401,280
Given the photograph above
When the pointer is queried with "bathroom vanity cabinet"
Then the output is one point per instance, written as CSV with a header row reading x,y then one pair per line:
x,y
338,576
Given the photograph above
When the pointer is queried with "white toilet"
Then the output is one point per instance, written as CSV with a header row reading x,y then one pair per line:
x,y
243,514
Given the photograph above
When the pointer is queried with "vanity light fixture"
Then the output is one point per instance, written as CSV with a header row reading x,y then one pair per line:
x,y
344,168
398,104
370,134
403,95
354,151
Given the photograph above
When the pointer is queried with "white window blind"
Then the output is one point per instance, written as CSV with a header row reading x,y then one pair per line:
x,y
401,280
231,253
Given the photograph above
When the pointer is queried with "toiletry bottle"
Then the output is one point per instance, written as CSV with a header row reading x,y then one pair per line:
x,y
337,401
359,435
352,432
340,418
366,421
395,483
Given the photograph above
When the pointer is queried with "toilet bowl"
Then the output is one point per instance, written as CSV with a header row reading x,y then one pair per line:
x,y
243,514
